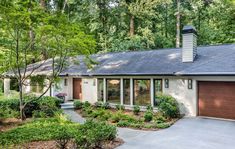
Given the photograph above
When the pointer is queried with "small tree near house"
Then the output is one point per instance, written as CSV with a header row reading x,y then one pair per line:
x,y
53,35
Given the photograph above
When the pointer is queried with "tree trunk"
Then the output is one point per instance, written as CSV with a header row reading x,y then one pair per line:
x,y
132,26
43,4
22,114
178,25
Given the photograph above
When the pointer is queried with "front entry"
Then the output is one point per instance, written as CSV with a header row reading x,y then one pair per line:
x,y
77,88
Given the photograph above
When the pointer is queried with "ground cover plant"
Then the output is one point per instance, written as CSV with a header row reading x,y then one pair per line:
x,y
166,114
63,132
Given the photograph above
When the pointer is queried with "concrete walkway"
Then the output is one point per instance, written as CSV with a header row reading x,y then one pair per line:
x,y
187,133
73,116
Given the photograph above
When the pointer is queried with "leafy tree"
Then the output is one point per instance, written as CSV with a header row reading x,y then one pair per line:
x,y
53,34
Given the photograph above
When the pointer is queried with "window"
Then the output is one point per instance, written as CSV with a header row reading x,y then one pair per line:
x,y
142,92
100,89
157,89
166,83
36,88
190,84
113,90
65,82
126,91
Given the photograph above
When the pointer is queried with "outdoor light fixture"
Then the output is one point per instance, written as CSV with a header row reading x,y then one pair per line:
x,y
65,82
190,83
166,83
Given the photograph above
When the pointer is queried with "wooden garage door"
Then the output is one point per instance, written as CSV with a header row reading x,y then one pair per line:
x,y
216,99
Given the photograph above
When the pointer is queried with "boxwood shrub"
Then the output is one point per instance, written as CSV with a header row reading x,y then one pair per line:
x,y
168,106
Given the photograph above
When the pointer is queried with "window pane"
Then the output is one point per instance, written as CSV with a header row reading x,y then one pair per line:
x,y
126,91
157,89
100,89
113,90
142,92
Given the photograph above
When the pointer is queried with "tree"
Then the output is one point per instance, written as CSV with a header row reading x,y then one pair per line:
x,y
61,39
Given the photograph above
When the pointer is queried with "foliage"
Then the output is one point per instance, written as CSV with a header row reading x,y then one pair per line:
x,y
105,105
148,116
92,134
123,124
149,108
162,125
86,104
136,109
37,130
168,106
120,107
45,107
160,119
77,104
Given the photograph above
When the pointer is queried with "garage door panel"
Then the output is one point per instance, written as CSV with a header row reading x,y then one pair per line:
x,y
216,99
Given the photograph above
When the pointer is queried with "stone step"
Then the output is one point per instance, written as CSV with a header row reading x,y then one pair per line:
x,y
67,105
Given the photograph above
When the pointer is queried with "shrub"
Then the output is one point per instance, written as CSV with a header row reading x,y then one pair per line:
x,y
148,116
63,137
6,112
162,125
98,104
92,134
105,105
160,119
86,104
136,109
123,124
168,106
120,107
149,108
118,116
77,104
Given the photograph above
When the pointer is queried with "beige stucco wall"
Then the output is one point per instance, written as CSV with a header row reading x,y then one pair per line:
x,y
89,89
61,88
187,98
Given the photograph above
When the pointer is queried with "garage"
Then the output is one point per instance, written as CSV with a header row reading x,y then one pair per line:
x,y
216,99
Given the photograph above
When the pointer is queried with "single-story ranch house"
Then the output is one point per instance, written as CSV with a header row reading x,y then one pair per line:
x,y
201,78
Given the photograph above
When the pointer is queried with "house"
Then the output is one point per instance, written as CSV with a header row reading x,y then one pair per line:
x,y
201,78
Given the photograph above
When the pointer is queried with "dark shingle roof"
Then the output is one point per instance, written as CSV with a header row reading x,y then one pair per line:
x,y
210,60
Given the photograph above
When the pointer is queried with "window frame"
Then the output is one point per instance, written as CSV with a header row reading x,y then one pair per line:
x,y
133,85
154,89
124,91
106,89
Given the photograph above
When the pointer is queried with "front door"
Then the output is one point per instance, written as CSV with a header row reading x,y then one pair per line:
x,y
77,88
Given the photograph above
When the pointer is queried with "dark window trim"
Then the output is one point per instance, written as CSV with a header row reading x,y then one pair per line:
x,y
154,89
123,90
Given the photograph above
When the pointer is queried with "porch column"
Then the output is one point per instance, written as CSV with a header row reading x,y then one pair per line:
x,y
7,86
104,89
152,91
131,92
121,90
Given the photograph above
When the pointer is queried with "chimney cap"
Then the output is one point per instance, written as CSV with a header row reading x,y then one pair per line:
x,y
189,29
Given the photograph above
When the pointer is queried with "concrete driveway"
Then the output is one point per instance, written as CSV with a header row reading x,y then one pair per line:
x,y
187,133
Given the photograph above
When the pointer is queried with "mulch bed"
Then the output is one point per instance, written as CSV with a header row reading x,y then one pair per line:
x,y
53,145
9,123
